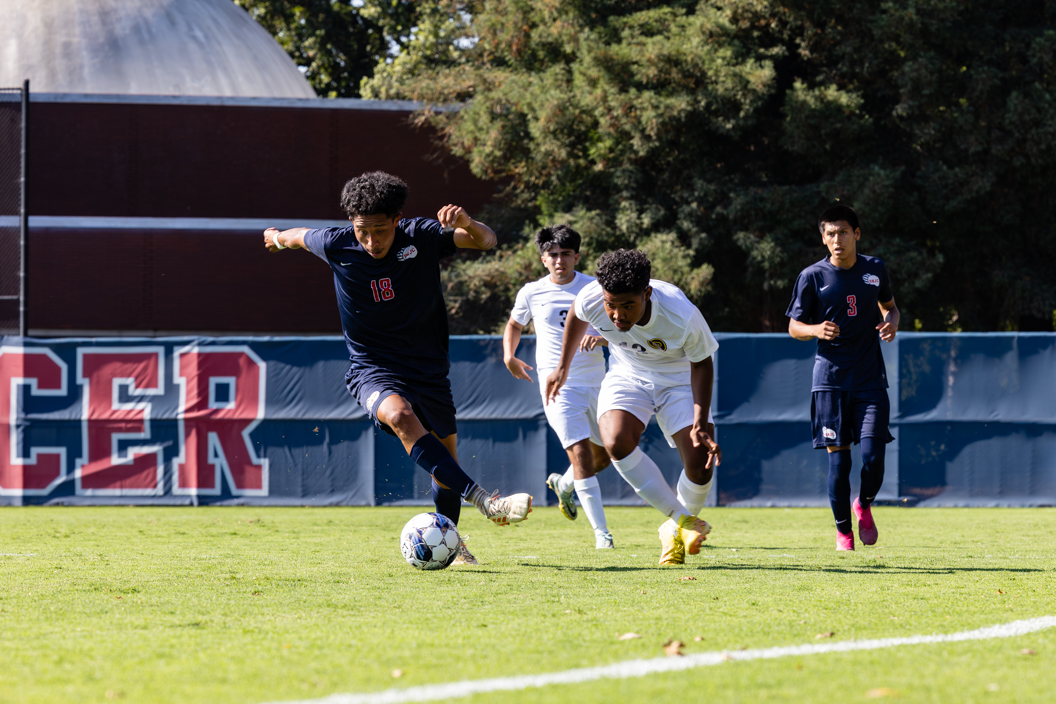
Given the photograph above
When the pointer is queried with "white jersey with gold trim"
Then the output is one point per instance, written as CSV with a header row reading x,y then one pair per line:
x,y
660,351
547,304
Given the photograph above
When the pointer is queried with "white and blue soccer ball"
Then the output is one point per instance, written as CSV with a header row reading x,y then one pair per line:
x,y
429,541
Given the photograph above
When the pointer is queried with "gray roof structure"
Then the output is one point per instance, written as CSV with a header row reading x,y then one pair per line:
x,y
143,47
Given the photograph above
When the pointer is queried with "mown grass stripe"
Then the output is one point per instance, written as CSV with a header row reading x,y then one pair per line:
x,y
640,668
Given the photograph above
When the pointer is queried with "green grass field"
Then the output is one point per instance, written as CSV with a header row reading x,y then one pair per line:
x,y
271,604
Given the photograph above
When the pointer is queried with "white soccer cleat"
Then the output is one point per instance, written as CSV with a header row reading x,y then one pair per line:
x,y
504,510
465,557
603,541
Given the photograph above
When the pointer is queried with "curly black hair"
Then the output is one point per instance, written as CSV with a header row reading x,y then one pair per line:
x,y
374,193
624,271
561,235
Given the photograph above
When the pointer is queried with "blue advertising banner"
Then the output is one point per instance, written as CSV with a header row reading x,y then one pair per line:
x,y
268,421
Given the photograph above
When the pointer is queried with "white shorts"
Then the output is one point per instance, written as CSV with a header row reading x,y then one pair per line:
x,y
673,405
574,415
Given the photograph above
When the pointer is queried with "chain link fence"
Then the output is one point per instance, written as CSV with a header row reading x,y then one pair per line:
x,y
12,251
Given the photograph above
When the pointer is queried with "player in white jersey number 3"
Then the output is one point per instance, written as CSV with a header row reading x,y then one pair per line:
x,y
574,416
660,362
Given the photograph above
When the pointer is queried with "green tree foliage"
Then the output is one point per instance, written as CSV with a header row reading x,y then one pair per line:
x,y
714,132
336,43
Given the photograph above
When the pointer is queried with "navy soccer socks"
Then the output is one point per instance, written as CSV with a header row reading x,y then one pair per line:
x,y
840,489
872,470
431,455
448,503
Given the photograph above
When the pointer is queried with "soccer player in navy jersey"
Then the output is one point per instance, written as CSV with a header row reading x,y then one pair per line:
x,y
387,278
845,301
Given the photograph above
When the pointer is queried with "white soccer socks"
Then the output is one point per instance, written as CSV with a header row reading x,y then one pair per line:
x,y
589,492
564,484
693,496
648,482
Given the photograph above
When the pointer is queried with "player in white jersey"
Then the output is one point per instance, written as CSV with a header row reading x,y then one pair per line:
x,y
574,416
660,362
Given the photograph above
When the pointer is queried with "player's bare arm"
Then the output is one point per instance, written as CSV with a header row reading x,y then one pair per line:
x,y
469,233
274,239
891,316
823,331
574,331
701,379
511,337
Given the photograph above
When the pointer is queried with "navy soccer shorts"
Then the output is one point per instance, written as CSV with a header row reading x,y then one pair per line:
x,y
430,397
839,418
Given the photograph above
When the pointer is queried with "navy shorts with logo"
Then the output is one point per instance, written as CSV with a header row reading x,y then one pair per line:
x,y
430,397
840,418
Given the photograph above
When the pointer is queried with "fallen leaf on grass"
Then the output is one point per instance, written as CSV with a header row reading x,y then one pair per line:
x,y
1000,591
1027,651
687,579
881,692
673,648
826,634
629,636
697,639
568,611
397,673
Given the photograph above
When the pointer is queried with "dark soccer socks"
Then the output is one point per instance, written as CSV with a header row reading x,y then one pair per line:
x,y
448,503
840,489
431,455
873,450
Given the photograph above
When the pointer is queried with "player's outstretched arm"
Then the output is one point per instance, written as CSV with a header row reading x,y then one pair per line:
x,y
891,316
701,379
823,331
574,329
511,337
274,239
469,234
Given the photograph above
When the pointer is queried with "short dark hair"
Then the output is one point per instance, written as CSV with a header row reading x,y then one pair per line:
x,y
561,235
374,193
836,213
624,271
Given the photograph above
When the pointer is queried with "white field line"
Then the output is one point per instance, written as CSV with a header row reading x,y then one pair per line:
x,y
640,668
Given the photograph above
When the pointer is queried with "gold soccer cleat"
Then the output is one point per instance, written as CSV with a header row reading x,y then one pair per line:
x,y
693,531
568,505
673,550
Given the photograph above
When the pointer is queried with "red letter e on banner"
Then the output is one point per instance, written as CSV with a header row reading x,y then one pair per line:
x,y
109,374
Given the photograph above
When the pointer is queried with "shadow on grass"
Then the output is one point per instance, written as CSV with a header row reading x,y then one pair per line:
x,y
864,569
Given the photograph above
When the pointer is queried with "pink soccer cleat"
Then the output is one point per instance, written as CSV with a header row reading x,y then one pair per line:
x,y
844,541
866,526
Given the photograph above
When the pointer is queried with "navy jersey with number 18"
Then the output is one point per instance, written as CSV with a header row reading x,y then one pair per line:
x,y
849,298
392,309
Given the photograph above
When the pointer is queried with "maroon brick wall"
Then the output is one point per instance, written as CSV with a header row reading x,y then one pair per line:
x,y
129,159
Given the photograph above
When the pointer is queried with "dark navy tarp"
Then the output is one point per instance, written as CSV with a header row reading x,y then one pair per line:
x,y
268,421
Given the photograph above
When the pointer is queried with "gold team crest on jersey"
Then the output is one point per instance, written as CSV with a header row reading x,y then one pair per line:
x,y
657,344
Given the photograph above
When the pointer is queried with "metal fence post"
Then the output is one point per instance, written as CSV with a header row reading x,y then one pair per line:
x,y
23,225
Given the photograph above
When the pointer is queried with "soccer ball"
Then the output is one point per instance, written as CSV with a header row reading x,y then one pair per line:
x,y
429,541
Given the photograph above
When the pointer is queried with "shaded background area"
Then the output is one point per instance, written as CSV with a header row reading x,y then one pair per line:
x,y
973,418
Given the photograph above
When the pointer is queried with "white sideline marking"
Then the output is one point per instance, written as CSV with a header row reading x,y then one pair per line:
x,y
640,668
